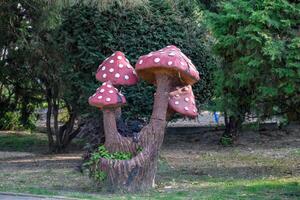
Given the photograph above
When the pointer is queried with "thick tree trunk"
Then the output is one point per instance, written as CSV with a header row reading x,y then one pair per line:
x,y
138,173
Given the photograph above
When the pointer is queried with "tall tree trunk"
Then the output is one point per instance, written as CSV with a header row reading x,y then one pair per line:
x,y
55,118
48,119
138,173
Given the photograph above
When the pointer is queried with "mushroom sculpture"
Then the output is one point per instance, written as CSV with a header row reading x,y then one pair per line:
x,y
166,68
108,99
113,71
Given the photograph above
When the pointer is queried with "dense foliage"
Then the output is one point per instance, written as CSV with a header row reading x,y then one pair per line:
x,y
88,35
19,88
50,52
259,43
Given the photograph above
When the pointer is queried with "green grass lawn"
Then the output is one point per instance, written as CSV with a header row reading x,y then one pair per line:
x,y
22,141
186,171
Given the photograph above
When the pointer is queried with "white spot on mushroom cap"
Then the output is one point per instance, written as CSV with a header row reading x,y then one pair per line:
x,y
195,110
99,97
104,75
113,54
177,95
186,108
109,86
126,77
102,90
103,68
119,57
134,72
172,54
104,83
170,63
186,99
149,55
176,102
111,61
110,91
117,75
156,60
141,62
127,60
111,70
107,99
121,65
94,95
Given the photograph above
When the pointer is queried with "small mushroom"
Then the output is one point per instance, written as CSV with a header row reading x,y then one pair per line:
x,y
169,60
118,70
182,100
107,96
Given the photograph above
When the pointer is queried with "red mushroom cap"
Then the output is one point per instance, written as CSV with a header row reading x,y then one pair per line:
x,y
182,100
107,96
117,69
169,60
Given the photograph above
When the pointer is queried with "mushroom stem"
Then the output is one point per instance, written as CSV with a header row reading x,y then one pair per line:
x,y
110,127
158,118
113,140
164,84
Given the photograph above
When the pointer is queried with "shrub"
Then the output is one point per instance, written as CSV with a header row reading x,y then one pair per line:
x,y
88,35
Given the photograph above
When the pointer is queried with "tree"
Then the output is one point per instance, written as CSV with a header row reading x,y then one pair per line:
x,y
259,44
20,91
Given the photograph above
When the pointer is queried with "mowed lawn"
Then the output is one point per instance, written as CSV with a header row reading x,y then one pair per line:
x,y
262,166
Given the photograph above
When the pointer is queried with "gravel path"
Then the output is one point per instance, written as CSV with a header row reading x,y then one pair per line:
x,y
28,197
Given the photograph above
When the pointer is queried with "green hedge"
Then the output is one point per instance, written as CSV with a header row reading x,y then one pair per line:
x,y
88,35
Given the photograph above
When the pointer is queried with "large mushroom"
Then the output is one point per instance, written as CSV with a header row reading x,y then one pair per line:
x,y
167,63
108,99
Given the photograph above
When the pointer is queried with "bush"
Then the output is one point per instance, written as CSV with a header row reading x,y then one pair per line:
x,y
88,35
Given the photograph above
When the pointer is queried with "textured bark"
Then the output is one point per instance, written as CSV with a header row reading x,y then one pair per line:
x,y
113,140
138,173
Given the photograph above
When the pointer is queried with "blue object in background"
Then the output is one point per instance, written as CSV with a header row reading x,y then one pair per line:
x,y
216,117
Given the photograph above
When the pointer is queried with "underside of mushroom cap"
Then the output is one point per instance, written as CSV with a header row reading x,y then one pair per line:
x,y
107,96
182,100
117,69
170,61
